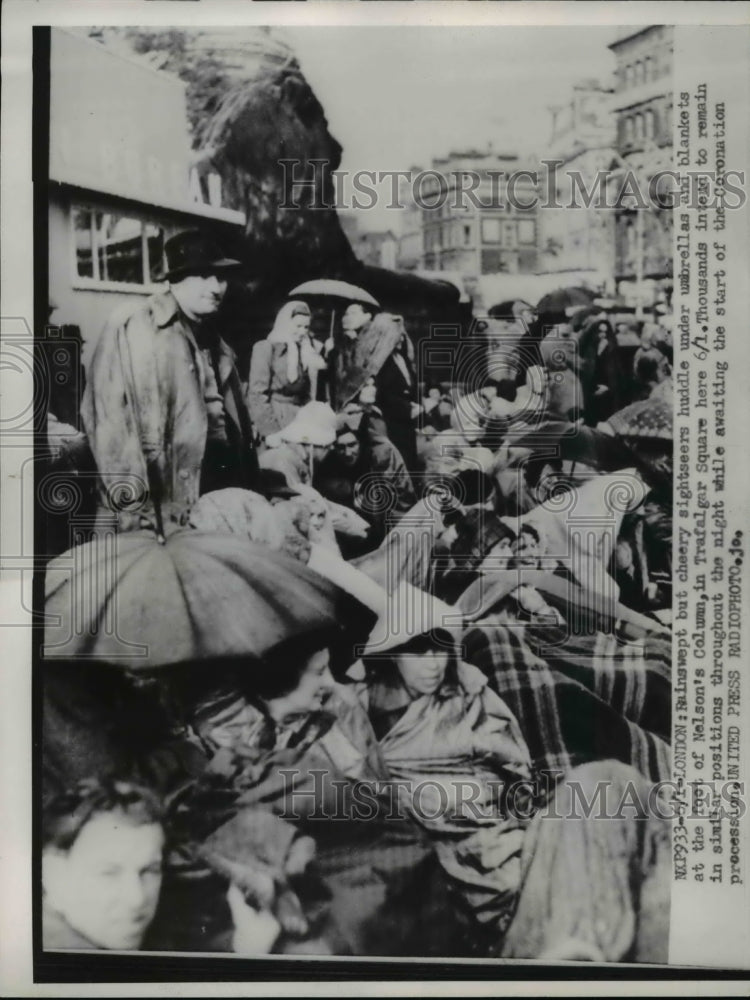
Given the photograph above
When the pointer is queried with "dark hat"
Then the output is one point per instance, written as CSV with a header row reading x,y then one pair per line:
x,y
191,252
273,485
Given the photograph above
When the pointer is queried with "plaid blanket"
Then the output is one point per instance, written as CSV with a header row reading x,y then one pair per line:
x,y
593,698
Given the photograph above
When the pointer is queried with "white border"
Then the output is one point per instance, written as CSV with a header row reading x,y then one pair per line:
x,y
18,16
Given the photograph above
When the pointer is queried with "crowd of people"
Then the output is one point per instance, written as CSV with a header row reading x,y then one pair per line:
x,y
402,774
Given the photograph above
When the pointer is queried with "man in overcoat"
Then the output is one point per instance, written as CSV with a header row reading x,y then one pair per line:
x,y
163,408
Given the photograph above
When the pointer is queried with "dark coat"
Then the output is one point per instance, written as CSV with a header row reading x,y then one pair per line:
x,y
394,397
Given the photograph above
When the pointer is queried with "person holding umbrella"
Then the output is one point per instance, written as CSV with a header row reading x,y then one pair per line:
x,y
163,408
373,345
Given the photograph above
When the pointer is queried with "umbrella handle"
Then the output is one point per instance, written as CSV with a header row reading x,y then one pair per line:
x,y
154,486
331,370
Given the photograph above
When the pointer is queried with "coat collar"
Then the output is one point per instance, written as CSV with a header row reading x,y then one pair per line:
x,y
166,313
165,309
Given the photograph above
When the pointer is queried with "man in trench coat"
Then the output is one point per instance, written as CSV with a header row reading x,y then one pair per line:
x,y
163,408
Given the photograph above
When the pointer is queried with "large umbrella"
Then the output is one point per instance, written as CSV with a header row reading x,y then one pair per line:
x,y
130,601
334,289
645,429
347,374
646,420
564,301
574,442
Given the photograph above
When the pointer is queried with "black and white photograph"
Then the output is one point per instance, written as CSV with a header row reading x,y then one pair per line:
x,y
365,532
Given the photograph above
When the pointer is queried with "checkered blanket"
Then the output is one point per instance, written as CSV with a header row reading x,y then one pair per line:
x,y
591,698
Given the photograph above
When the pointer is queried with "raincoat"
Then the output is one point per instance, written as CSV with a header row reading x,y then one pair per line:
x,y
380,876
147,419
459,751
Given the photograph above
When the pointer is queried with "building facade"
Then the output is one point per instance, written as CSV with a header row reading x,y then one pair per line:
x,y
121,181
482,230
643,113
581,145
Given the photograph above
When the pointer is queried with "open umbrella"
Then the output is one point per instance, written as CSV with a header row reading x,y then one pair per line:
x,y
335,289
135,603
346,376
573,442
645,429
563,301
647,419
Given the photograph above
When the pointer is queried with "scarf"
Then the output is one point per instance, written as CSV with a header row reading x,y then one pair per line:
x,y
301,356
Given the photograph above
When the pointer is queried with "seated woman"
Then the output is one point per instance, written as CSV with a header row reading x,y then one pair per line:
x,y
539,876
283,370
455,747
284,736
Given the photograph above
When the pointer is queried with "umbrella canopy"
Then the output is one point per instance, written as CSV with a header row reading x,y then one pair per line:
x,y
647,419
572,442
335,289
562,300
135,603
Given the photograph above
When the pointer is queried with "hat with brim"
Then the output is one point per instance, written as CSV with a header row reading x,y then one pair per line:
x,y
193,253
408,614
272,484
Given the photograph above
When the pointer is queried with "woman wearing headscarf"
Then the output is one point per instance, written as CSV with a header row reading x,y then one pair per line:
x,y
442,733
283,370
282,735
540,877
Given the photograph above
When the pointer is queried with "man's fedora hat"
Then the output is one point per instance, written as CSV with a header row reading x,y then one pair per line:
x,y
191,252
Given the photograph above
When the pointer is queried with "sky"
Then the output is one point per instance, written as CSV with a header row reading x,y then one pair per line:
x,y
395,97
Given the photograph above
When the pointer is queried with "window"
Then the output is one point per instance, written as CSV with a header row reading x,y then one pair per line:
x,y
526,231
648,68
639,126
493,262
628,130
630,242
527,261
467,236
628,76
491,231
110,247
650,124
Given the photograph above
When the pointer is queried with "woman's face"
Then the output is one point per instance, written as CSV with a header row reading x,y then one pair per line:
x,y
422,673
526,550
300,326
313,688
